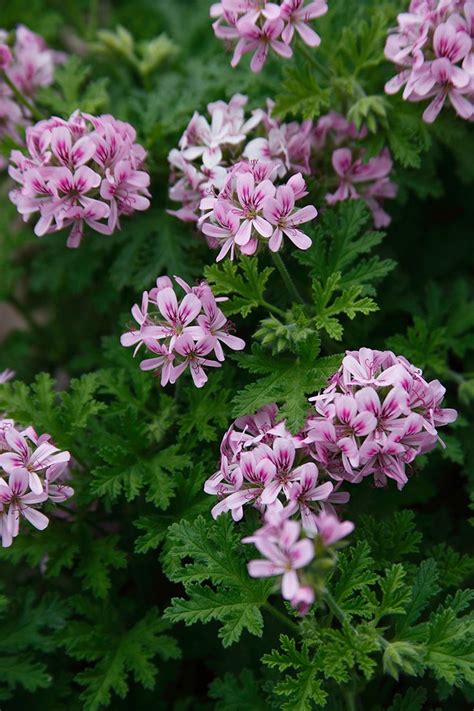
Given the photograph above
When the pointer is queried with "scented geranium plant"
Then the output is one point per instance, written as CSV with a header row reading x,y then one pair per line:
x,y
236,418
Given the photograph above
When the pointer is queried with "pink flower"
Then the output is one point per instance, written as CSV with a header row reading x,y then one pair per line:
x,y
283,557
450,80
162,362
257,26
223,230
177,317
22,458
375,417
296,14
6,57
19,500
305,492
444,34
259,40
34,468
354,172
78,172
303,599
180,335
194,354
280,212
251,200
213,324
330,529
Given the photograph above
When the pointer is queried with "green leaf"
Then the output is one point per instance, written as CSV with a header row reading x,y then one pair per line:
x,y
216,559
288,382
396,594
243,281
424,587
303,689
301,94
94,569
234,693
411,700
117,654
73,87
354,576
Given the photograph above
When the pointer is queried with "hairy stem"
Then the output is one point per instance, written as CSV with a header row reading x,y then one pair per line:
x,y
285,275
281,617
21,98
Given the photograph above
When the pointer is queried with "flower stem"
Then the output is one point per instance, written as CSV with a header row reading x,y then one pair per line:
x,y
334,607
21,98
309,56
285,275
349,698
281,617
273,309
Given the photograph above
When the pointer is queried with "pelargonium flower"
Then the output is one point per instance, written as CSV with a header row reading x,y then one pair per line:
x,y
251,210
257,26
214,152
375,417
286,555
32,471
29,64
263,464
366,180
181,335
432,47
354,176
82,171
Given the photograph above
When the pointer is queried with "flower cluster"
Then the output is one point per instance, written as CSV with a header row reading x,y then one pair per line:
x,y
250,209
32,471
29,64
214,155
350,172
375,417
82,171
181,334
264,466
258,26
432,46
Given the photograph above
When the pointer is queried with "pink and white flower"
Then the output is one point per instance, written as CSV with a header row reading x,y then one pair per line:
x,y
433,49
258,26
31,472
85,171
284,556
180,334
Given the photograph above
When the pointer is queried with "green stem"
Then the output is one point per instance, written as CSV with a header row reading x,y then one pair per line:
x,y
273,309
349,698
456,377
285,275
281,617
93,16
334,607
21,98
309,56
